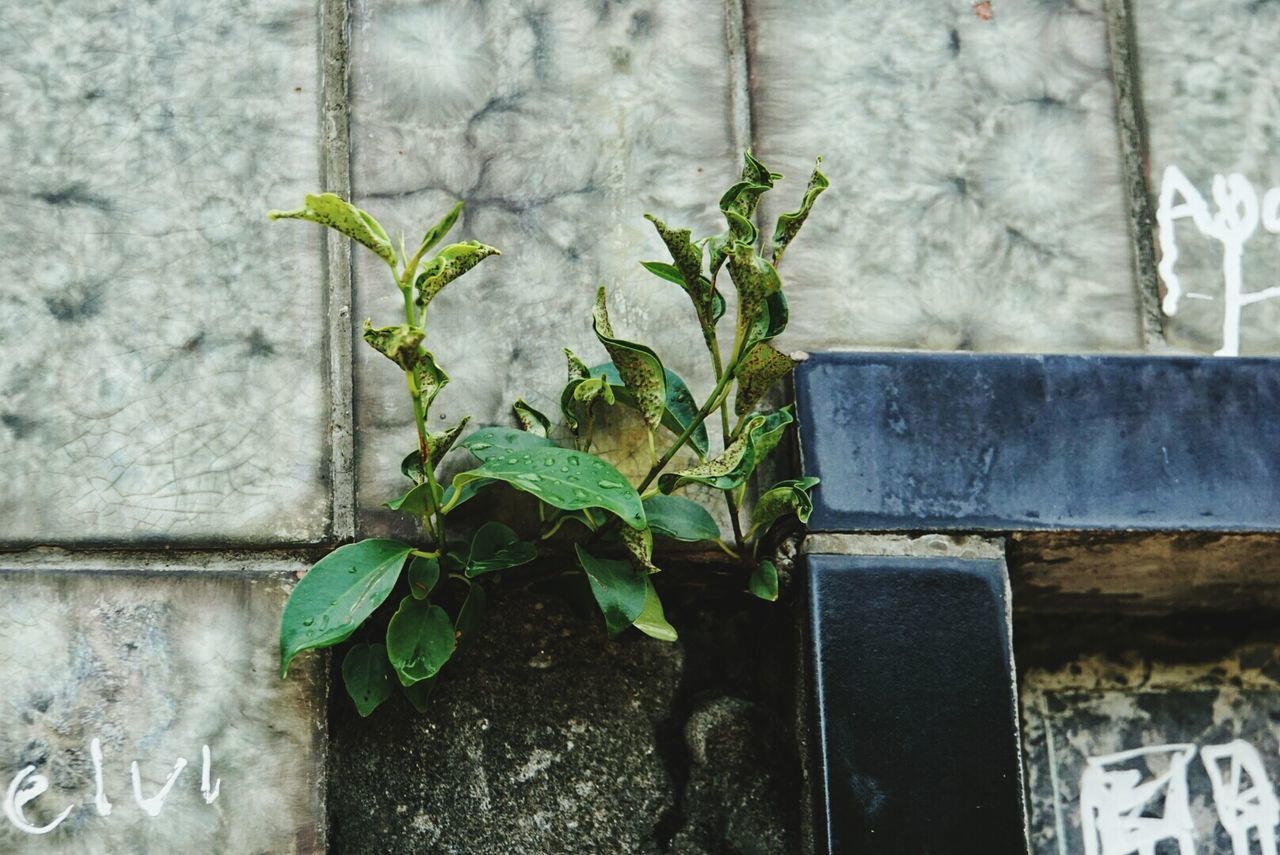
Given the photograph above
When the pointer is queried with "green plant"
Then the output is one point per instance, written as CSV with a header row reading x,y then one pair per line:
x,y
617,519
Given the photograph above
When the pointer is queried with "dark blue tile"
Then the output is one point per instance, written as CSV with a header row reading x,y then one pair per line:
x,y
969,442
914,697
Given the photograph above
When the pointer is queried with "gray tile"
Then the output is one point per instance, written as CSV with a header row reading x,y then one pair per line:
x,y
155,666
1210,96
1156,720
976,197
560,124
161,346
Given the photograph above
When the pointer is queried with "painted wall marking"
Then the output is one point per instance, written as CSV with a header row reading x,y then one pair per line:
x,y
29,784
1124,811
1238,215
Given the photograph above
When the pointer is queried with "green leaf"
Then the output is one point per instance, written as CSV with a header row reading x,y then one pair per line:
x,y
561,477
428,378
757,283
496,547
492,442
419,640
764,581
756,374
789,224
640,544
687,273
424,573
639,367
416,503
337,594
781,499
368,676
436,233
651,620
679,408
419,693
741,231
531,421
619,589
680,519
399,344
333,211
448,264
471,615
759,435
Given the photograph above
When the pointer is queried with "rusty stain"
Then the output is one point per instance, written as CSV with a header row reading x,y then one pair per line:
x,y
983,10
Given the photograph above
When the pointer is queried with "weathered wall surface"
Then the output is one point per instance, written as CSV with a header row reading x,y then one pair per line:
x,y
174,371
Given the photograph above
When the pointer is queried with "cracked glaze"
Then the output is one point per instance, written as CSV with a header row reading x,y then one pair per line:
x,y
560,124
161,370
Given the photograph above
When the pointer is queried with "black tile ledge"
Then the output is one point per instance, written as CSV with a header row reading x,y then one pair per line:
x,y
995,442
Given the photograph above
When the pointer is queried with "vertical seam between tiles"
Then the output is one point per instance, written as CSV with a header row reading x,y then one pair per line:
x,y
335,176
1122,47
741,125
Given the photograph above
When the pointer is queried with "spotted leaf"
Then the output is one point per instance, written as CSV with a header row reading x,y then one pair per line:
x,y
789,224
756,374
331,210
639,367
448,264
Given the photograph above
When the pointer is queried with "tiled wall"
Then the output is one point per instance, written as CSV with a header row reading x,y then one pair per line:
x,y
176,370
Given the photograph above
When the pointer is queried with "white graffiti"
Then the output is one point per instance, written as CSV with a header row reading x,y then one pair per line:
x,y
29,784
1129,808
1236,219
1243,795
1129,815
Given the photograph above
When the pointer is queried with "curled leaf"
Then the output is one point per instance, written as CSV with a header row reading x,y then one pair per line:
x,y
763,366
436,233
438,443
758,288
679,408
781,499
400,343
759,435
448,264
531,421
577,368
428,378
687,273
639,543
789,224
639,367
329,209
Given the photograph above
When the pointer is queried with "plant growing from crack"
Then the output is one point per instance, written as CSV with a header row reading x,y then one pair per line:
x,y
616,519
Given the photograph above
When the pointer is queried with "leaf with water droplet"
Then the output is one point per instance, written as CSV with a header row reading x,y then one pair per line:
x,y
541,477
680,519
618,587
640,368
329,209
496,547
367,676
491,442
419,640
377,563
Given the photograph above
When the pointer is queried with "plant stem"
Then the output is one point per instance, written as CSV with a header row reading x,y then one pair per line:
x,y
714,347
713,401
433,521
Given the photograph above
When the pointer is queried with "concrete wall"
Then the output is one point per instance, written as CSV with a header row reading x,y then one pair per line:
x,y
177,375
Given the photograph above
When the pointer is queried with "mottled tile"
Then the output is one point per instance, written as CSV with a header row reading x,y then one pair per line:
x,y
976,199
155,666
1211,98
1153,719
560,124
162,345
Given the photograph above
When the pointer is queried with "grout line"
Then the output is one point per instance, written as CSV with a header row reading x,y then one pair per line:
x,y
335,167
735,35
1133,151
